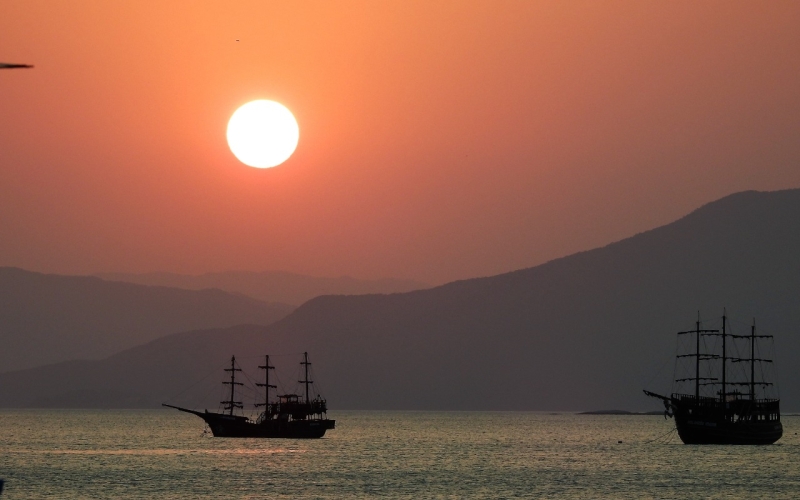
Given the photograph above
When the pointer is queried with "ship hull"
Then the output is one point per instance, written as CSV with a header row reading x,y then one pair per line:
x,y
298,429
744,433
738,421
234,426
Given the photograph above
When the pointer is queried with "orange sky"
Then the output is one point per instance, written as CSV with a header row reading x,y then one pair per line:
x,y
438,140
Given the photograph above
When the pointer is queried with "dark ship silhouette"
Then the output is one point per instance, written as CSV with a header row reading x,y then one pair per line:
x,y
289,417
729,416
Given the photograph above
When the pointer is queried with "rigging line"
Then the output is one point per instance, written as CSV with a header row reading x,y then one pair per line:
x,y
773,353
281,386
671,437
316,387
743,324
248,391
205,396
247,377
213,370
658,373
662,436
271,355
674,368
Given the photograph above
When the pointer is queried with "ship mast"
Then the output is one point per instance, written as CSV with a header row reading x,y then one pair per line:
x,y
753,361
306,364
698,357
266,385
724,358
231,404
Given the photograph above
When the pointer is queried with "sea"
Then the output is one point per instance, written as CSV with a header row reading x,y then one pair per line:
x,y
123,454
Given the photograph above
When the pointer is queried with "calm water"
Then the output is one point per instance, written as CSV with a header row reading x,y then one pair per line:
x,y
164,454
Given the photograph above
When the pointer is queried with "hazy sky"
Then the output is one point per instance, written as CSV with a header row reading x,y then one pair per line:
x,y
438,140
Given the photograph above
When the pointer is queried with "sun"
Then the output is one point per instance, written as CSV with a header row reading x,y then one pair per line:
x,y
263,133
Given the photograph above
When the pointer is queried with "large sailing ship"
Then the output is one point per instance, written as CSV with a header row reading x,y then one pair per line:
x,y
718,411
291,416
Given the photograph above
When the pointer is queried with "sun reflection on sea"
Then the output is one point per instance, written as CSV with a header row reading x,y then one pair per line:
x,y
156,454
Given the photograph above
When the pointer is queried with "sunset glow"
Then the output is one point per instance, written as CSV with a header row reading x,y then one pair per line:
x,y
440,140
263,134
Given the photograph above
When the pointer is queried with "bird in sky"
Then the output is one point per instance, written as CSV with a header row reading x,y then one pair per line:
x,y
12,66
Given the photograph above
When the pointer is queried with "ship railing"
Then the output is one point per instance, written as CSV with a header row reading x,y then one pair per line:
x,y
737,396
314,409
701,399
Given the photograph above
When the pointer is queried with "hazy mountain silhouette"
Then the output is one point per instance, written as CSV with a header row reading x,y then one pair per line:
x,y
271,286
49,318
184,368
586,331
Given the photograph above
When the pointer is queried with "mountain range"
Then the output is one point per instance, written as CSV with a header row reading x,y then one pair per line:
x,y
271,286
586,331
47,318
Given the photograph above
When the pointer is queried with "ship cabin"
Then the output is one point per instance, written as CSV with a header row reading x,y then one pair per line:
x,y
291,406
738,408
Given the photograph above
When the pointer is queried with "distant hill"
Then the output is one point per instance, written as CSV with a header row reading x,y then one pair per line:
x,y
183,368
270,286
48,318
582,332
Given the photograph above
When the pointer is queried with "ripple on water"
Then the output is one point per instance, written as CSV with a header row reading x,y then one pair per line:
x,y
164,454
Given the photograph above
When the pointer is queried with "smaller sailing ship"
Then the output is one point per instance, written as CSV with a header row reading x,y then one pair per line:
x,y
290,417
728,416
